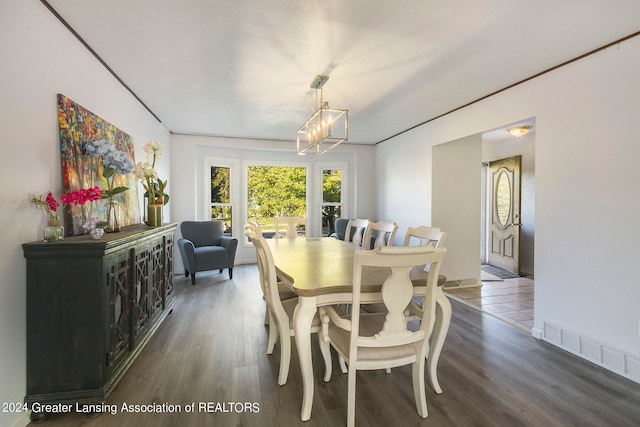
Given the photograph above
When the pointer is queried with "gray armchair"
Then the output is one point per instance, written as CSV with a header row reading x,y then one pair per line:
x,y
204,247
340,226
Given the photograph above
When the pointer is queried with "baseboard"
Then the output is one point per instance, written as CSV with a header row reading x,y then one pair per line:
x,y
536,333
527,272
22,421
608,357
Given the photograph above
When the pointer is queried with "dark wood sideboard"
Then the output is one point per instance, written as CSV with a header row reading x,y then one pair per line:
x,y
92,305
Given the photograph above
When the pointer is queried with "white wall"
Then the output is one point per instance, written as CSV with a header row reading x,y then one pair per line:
x,y
40,59
187,160
456,189
586,193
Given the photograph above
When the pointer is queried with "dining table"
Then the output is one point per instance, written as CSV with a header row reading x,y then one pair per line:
x,y
320,272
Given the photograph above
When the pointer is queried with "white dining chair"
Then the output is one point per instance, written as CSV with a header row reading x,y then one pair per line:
x,y
378,234
421,236
424,235
369,341
355,230
281,311
287,226
284,293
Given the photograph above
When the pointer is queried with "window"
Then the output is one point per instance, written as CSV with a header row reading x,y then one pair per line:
x,y
275,191
331,205
221,208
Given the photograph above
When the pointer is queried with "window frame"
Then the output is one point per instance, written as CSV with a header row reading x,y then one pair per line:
x,y
233,165
318,195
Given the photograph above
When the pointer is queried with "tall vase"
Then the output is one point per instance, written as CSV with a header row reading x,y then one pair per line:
x,y
53,231
113,216
154,215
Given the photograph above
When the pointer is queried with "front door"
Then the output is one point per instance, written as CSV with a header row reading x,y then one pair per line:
x,y
504,230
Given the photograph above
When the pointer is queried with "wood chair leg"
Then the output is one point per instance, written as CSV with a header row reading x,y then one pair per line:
x,y
193,278
418,386
273,334
230,273
351,398
343,365
325,349
285,355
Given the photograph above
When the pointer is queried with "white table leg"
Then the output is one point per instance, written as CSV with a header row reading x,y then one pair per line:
x,y
302,318
440,330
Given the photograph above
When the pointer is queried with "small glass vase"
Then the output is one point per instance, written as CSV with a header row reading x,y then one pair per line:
x,y
96,233
53,231
113,216
154,215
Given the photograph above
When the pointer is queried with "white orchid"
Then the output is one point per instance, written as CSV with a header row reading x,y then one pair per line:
x,y
145,172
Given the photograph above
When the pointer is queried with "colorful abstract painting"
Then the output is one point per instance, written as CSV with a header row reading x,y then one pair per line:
x,y
78,126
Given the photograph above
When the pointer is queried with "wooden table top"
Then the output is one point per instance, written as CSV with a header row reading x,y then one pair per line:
x,y
318,266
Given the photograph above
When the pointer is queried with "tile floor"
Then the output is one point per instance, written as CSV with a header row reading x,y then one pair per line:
x,y
507,299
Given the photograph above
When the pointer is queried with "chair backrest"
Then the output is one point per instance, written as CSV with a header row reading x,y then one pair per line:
x,y
203,233
397,292
340,226
385,232
253,224
423,235
355,237
268,277
287,226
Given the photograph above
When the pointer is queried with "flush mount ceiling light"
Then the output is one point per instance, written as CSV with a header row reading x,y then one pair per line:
x,y
326,128
520,131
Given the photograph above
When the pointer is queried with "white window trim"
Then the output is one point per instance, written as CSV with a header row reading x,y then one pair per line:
x,y
316,223
234,166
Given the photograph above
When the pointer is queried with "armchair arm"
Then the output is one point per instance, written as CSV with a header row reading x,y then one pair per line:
x,y
231,244
187,251
329,313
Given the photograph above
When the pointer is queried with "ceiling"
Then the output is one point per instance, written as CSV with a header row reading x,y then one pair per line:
x,y
243,68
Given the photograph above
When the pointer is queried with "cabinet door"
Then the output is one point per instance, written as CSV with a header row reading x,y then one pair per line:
x,y
118,280
157,274
168,295
142,284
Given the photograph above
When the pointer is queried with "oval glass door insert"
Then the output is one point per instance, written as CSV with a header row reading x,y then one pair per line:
x,y
503,198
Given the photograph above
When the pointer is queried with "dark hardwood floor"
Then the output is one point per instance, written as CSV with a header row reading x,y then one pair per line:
x,y
212,349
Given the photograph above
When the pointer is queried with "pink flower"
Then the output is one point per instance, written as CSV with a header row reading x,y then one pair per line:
x,y
81,196
52,202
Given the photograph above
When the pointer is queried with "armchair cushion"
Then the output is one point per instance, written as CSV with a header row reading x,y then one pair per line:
x,y
204,247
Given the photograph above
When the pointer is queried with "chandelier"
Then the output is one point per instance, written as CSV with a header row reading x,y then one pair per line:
x,y
326,128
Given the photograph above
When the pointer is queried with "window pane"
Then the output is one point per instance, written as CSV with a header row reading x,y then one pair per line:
x,y
222,213
275,191
329,216
220,185
331,185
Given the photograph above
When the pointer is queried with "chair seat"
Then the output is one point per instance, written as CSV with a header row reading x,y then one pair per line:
x,y
211,250
211,257
285,293
370,324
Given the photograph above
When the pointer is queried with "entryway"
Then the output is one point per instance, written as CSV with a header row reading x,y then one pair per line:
x,y
508,299
507,234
